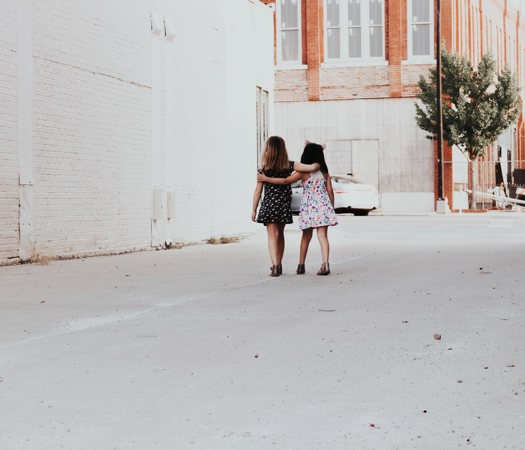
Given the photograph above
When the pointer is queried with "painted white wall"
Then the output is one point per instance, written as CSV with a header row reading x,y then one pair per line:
x,y
128,125
214,129
91,133
9,164
211,161
405,172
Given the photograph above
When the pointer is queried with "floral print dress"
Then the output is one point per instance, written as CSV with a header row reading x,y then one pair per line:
x,y
277,199
316,208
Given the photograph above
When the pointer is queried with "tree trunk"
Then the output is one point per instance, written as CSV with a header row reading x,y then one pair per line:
x,y
474,181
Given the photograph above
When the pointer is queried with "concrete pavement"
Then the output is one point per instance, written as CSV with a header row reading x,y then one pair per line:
x,y
198,348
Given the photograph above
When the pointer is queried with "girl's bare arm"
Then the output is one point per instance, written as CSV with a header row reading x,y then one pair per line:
x,y
300,167
296,176
330,189
256,198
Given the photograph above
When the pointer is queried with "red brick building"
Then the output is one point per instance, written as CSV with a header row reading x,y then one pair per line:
x,y
346,75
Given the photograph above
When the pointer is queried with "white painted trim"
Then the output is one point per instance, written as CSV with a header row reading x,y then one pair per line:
x,y
25,91
419,62
27,239
156,97
360,63
157,175
169,129
25,128
282,66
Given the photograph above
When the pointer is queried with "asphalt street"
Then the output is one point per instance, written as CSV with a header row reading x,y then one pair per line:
x,y
415,341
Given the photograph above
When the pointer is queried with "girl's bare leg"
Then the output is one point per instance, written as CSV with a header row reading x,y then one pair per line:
x,y
305,242
272,230
280,243
322,235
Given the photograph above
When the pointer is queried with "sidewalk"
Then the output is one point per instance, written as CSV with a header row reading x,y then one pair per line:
x,y
198,348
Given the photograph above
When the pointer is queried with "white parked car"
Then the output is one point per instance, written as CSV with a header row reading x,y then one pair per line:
x,y
350,195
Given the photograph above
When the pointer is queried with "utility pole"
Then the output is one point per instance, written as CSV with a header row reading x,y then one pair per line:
x,y
441,206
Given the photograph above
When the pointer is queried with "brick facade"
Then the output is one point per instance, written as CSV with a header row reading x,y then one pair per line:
x,y
470,27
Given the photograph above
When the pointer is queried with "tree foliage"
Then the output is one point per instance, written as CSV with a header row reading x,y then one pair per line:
x,y
477,105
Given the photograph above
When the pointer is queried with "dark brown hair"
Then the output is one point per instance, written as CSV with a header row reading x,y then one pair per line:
x,y
314,153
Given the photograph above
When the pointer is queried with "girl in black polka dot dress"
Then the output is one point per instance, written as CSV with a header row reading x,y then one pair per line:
x,y
275,211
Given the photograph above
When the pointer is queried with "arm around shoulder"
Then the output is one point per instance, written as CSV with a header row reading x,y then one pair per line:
x,y
288,180
300,167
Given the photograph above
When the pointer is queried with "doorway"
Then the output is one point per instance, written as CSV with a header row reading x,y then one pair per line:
x,y
358,157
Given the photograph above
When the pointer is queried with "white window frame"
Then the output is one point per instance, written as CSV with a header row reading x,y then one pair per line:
x,y
280,62
365,26
418,59
262,106
477,32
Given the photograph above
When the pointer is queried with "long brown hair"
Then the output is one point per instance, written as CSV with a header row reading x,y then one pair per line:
x,y
275,155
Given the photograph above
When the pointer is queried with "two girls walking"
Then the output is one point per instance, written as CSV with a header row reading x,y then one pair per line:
x,y
275,211
316,211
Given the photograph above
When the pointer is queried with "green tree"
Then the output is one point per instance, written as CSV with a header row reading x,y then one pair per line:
x,y
477,106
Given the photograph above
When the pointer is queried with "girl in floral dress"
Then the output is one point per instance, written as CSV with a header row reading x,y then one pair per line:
x,y
317,205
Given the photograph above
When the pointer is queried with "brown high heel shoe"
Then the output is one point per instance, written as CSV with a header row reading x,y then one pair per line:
x,y
274,271
300,269
325,269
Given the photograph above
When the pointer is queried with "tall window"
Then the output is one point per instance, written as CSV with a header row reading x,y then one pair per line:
x,y
289,26
261,107
354,29
477,32
421,30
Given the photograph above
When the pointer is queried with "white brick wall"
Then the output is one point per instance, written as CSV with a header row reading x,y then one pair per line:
x,y
8,133
92,159
119,113
92,134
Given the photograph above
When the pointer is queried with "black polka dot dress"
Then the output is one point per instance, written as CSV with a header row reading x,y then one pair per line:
x,y
277,199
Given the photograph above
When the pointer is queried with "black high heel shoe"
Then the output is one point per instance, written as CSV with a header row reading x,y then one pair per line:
x,y
274,271
300,269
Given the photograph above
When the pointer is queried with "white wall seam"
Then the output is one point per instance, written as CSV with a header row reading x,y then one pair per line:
x,y
25,127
